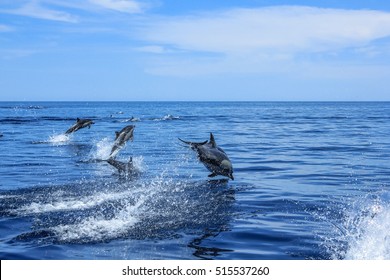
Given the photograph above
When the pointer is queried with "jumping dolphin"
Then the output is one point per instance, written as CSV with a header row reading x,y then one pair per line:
x,y
80,123
213,157
126,168
126,134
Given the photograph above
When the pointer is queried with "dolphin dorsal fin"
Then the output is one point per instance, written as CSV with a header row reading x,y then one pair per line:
x,y
77,119
212,140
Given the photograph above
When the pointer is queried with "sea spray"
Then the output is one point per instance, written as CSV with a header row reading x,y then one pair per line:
x,y
359,230
59,139
368,232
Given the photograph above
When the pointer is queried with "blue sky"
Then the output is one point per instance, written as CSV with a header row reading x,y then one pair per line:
x,y
86,50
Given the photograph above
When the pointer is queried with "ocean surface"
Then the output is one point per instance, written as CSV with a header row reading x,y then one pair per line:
x,y
311,181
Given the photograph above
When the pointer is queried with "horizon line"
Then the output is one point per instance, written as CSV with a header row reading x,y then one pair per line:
x,y
199,101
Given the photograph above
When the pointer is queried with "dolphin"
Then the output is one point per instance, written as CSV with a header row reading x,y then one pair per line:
x,y
213,157
126,168
80,123
121,137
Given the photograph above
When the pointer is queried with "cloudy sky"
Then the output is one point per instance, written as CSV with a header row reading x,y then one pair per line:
x,y
135,50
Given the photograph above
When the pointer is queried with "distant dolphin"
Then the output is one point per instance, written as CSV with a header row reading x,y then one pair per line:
x,y
213,157
126,134
126,168
80,123
134,119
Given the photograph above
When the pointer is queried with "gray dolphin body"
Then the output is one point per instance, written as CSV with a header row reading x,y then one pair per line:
x,y
213,157
126,168
80,123
126,134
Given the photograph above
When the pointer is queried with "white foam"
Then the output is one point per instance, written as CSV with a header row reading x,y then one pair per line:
x,y
167,118
170,117
100,228
364,233
59,139
370,239
102,149
112,213
60,203
7,196
131,120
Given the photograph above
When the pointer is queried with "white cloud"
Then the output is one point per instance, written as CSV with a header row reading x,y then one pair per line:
x,y
152,49
5,28
272,39
16,53
284,28
125,6
66,10
36,10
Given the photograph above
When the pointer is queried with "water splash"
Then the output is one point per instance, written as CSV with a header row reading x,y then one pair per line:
x,y
100,211
62,201
59,139
168,117
362,232
368,232
102,149
99,228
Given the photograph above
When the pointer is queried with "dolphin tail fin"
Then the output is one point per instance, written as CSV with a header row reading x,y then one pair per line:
x,y
193,144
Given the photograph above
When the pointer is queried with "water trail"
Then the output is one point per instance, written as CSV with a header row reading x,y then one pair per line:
x,y
61,201
99,227
159,207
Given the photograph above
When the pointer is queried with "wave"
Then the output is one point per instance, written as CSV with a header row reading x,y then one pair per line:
x,y
23,120
26,107
17,120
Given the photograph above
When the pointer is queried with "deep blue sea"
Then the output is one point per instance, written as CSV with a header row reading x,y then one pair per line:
x,y
312,181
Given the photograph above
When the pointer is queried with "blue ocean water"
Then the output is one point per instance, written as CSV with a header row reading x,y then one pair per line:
x,y
311,181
